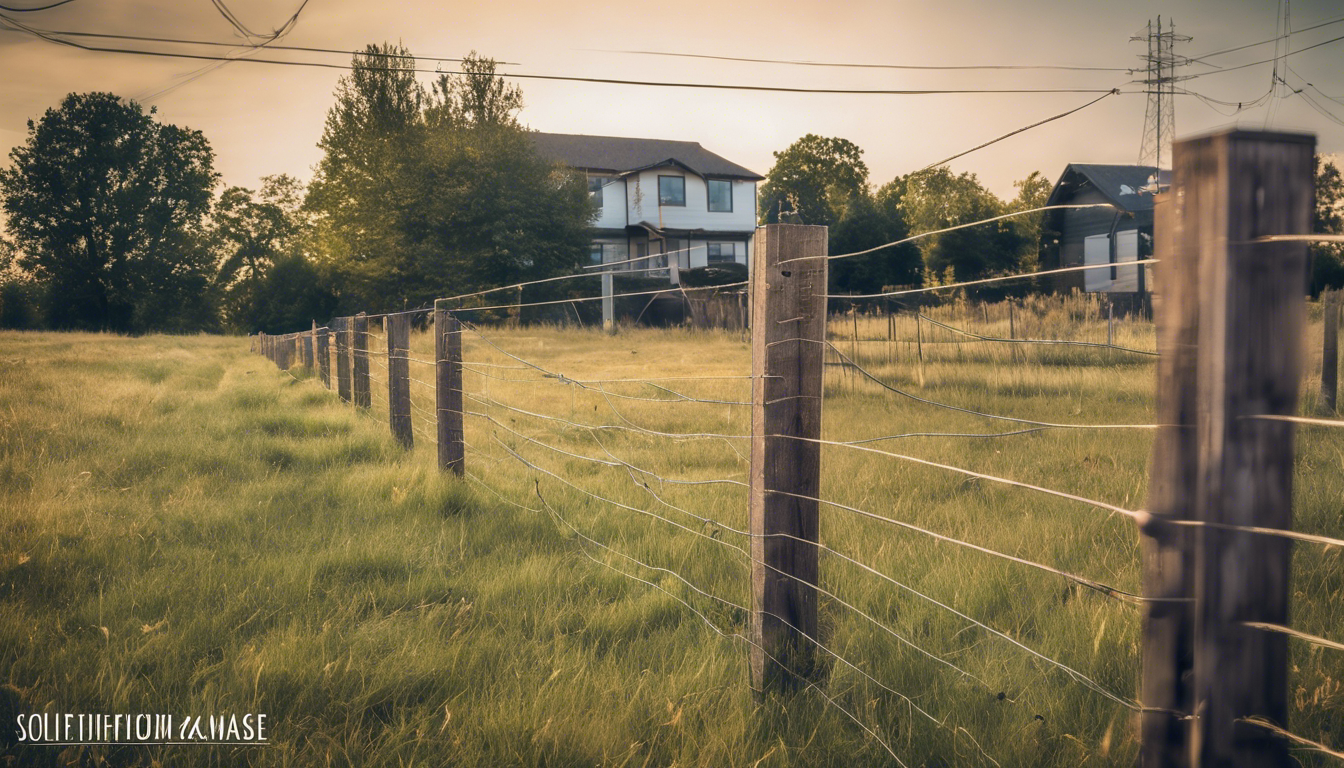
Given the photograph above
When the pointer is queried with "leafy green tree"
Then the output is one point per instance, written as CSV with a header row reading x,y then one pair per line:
x,y
1327,259
251,233
938,199
484,209
1032,192
814,180
356,194
107,208
290,296
869,222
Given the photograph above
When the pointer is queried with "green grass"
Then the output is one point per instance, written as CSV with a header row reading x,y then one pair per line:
x,y
187,529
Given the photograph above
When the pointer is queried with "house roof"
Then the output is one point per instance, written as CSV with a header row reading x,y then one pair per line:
x,y
622,155
1126,186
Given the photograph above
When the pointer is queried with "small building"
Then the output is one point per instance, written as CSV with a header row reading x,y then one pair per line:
x,y
1121,233
661,203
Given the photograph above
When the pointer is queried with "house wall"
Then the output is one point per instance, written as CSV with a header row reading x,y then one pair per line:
x,y
642,198
612,214
1077,225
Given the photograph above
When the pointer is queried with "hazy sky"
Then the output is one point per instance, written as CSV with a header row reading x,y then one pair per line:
x,y
264,119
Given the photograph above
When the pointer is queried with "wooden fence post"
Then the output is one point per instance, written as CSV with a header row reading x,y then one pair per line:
x,y
323,356
1330,349
788,331
1168,558
343,357
1239,186
360,344
608,303
919,346
448,390
308,347
398,329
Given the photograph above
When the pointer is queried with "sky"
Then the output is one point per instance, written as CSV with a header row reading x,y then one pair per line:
x,y
263,119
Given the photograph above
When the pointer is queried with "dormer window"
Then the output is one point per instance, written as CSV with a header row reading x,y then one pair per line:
x,y
595,189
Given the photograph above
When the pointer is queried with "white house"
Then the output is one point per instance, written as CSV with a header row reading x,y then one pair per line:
x,y
660,202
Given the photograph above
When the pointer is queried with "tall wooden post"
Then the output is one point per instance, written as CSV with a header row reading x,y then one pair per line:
x,y
343,357
1240,186
308,347
1168,556
323,356
398,329
360,344
448,389
788,328
1330,349
919,345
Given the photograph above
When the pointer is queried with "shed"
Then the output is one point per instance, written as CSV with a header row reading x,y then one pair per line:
x,y
1117,234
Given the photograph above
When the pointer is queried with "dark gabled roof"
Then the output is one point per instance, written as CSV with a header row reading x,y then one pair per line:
x,y
613,154
1127,186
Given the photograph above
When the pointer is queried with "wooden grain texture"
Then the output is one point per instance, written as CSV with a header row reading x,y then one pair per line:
x,y
323,353
1330,350
788,322
398,329
1168,561
1246,186
342,326
359,344
308,353
448,390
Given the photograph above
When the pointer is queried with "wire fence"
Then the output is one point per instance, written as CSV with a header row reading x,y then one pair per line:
x,y
977,584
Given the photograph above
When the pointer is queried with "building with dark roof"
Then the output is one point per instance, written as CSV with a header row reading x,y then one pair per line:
x,y
1118,233
667,205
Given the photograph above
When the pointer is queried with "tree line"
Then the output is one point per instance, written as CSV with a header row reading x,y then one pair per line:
x,y
113,223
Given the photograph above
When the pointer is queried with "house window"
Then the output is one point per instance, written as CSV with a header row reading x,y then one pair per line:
x,y
595,189
595,253
721,253
720,195
672,190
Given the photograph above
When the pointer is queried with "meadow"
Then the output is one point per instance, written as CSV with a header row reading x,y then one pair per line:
x,y
188,529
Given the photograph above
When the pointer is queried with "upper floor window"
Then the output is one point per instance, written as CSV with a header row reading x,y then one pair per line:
x,y
672,190
720,195
595,189
595,253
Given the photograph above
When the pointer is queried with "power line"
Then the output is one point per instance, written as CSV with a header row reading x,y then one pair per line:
x,y
303,48
795,62
51,37
1201,57
1010,134
39,8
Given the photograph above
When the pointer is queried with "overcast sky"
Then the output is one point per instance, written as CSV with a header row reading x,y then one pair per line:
x,y
263,119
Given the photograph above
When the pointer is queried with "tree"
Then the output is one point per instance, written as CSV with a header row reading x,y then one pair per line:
x,y
251,233
815,179
869,222
107,208
355,194
1327,259
1032,192
482,207
937,199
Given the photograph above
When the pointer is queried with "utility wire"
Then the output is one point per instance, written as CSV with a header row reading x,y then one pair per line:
x,y
1010,134
793,62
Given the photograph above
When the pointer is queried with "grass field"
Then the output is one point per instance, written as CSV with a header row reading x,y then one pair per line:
x,y
189,530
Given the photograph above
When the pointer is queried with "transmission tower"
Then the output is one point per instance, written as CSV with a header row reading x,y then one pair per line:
x,y
1159,122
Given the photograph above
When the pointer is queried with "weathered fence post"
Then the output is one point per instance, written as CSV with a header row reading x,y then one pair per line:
x,y
919,345
448,389
323,356
1168,557
1330,349
1234,188
398,329
608,303
342,325
788,331
360,343
308,346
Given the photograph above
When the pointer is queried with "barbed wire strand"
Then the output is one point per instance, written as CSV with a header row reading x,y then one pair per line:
x,y
1042,424
1306,743
987,280
1067,342
1313,639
